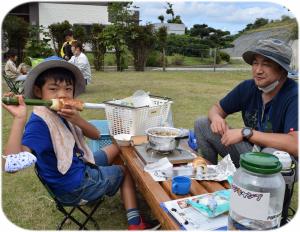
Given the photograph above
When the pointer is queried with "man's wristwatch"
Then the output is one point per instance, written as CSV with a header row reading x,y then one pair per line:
x,y
247,133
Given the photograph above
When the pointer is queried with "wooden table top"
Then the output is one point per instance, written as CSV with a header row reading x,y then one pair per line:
x,y
157,192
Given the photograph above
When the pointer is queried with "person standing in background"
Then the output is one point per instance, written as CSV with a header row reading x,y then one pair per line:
x,y
81,61
66,51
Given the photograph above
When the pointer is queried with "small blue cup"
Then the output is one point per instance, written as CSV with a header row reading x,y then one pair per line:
x,y
181,185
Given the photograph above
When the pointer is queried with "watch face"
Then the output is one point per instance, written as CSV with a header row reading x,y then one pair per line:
x,y
247,131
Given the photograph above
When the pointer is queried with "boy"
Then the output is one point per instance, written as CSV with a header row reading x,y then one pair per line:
x,y
56,138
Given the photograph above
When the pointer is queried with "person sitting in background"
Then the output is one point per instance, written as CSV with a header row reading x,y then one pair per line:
x,y
11,70
66,51
81,61
269,107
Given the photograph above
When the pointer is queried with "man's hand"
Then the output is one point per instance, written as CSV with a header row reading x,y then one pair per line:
x,y
219,125
232,136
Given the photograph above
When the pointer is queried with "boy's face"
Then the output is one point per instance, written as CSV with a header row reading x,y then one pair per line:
x,y
52,90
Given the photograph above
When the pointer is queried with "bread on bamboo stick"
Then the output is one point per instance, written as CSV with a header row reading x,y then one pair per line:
x,y
58,104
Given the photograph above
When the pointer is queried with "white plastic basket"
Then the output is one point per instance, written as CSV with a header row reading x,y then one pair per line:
x,y
131,120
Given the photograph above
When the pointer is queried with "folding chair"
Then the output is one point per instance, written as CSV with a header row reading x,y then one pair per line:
x,y
105,139
95,145
68,213
12,85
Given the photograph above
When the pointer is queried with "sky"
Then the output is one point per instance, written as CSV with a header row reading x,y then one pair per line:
x,y
226,16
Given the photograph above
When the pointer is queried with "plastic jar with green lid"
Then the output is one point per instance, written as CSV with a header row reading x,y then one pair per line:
x,y
257,193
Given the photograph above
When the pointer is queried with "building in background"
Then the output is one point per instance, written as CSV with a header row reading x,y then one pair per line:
x,y
172,28
47,13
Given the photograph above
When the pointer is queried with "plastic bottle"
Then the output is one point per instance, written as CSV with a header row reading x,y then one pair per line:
x,y
257,193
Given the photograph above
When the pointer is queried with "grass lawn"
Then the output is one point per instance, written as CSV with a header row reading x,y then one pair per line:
x,y
25,201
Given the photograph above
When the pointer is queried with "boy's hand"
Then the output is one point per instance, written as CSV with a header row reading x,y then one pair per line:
x,y
70,113
19,111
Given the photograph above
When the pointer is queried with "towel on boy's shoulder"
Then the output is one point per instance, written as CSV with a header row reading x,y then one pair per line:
x,y
17,162
64,139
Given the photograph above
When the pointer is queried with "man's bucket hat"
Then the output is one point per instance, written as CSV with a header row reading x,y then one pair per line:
x,y
274,49
45,65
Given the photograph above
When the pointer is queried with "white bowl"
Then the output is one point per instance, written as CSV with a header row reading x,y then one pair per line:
x,y
123,140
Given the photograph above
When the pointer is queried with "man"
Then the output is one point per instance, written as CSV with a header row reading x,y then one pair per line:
x,y
269,107
11,70
66,52
81,61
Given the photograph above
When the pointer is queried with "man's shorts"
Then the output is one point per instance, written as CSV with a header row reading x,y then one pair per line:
x,y
99,180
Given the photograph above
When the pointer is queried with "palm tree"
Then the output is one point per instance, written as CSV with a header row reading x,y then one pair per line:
x,y
161,18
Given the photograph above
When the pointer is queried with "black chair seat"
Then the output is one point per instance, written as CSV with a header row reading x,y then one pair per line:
x,y
68,210
15,87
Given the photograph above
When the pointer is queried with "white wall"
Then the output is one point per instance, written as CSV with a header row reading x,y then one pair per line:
x,y
175,28
83,14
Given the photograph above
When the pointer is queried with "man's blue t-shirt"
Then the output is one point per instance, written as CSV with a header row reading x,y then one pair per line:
x,y
37,138
280,115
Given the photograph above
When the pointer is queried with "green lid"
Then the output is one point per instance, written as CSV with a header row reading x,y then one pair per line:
x,y
259,162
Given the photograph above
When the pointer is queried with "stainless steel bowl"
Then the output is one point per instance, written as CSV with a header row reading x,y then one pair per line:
x,y
163,138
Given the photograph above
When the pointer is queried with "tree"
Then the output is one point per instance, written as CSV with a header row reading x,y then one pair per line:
x,y
36,47
80,33
140,40
170,10
115,37
121,18
16,31
98,45
177,19
162,36
57,31
200,30
161,18
119,13
259,22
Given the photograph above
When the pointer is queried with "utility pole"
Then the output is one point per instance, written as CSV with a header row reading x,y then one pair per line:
x,y
215,58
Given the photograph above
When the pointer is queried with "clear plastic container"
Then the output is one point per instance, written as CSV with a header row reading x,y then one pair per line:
x,y
257,193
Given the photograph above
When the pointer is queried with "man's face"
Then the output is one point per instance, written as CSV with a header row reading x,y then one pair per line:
x,y
68,38
265,71
53,90
14,58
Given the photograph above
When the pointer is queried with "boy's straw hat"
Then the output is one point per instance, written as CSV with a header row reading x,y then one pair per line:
x,y
37,70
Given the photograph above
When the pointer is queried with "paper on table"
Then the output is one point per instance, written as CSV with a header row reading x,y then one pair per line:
x,y
162,166
219,172
190,218
163,170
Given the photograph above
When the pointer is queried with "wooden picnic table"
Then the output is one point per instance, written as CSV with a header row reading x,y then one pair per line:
x,y
157,192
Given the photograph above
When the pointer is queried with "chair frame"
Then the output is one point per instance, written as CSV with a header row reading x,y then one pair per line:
x,y
12,85
68,213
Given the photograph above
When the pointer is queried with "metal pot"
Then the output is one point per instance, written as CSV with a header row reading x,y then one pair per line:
x,y
163,139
